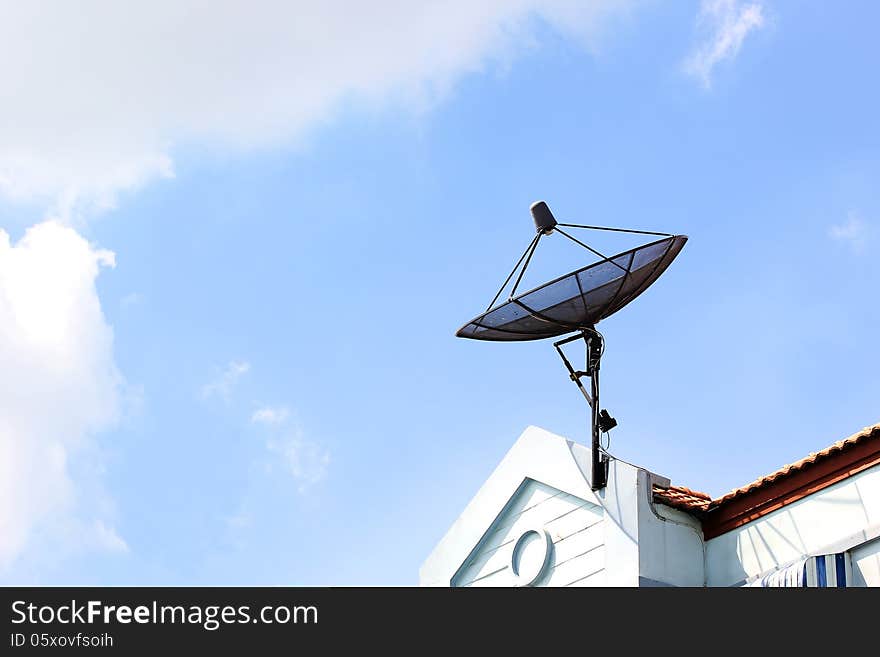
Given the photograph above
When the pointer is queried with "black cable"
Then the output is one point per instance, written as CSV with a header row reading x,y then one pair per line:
x,y
591,249
617,458
617,230
525,265
513,271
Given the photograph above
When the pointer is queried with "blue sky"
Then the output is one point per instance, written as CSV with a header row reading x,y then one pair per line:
x,y
266,387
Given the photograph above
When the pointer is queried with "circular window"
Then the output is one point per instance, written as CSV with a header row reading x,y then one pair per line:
x,y
530,556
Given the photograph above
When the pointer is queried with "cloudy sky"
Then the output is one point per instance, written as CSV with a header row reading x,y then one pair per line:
x,y
236,240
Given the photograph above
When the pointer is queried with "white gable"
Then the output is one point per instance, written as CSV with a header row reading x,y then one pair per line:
x,y
537,522
558,465
543,537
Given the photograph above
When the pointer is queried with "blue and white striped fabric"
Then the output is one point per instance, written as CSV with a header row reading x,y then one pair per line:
x,y
822,571
829,570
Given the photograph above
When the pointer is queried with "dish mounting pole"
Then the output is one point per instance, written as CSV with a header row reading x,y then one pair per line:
x,y
595,345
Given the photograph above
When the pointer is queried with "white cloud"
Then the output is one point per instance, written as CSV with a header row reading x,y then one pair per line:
x,y
853,232
302,459
96,95
724,25
226,380
270,415
107,539
58,385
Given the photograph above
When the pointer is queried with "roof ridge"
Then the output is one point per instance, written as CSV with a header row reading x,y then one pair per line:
x,y
685,498
871,431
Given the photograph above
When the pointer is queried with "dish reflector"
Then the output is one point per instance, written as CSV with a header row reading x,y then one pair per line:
x,y
578,300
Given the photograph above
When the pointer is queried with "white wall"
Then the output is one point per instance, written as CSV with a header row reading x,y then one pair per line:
x,y
620,498
538,456
835,519
866,564
672,544
543,484
622,541
576,554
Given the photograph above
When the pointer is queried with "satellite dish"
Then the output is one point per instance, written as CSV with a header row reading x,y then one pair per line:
x,y
573,303
577,300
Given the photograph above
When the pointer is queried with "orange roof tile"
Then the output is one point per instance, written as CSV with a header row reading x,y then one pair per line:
x,y
699,503
682,498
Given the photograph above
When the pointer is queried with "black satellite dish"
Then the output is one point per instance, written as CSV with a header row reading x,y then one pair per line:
x,y
573,303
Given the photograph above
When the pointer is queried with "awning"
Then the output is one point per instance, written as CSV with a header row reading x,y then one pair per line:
x,y
822,571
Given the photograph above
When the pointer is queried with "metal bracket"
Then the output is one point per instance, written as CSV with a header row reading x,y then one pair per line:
x,y
595,346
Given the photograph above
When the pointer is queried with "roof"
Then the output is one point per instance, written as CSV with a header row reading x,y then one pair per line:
x,y
788,484
682,498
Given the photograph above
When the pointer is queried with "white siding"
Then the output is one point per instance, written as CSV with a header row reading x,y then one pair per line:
x,y
575,528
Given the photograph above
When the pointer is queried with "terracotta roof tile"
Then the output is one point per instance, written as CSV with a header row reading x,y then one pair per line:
x,y
682,498
688,500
